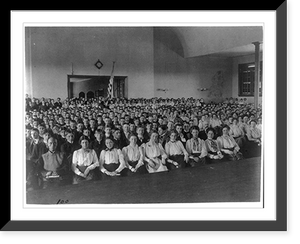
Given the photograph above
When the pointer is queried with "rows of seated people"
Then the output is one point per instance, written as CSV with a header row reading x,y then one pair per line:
x,y
73,144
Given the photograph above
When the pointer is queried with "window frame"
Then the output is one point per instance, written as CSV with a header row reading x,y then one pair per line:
x,y
249,68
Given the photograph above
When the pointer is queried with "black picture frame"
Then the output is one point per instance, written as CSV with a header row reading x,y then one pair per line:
x,y
281,222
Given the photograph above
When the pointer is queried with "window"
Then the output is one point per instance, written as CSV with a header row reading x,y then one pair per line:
x,y
246,79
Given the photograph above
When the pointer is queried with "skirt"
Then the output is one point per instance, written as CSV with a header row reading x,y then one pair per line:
x,y
113,167
252,149
197,161
240,141
234,156
91,176
178,159
141,170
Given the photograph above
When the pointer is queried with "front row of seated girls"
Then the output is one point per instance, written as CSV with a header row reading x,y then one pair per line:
x,y
150,157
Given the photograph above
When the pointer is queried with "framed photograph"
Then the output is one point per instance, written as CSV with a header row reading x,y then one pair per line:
x,y
158,62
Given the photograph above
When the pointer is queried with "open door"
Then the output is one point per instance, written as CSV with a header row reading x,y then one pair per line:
x,y
95,86
90,94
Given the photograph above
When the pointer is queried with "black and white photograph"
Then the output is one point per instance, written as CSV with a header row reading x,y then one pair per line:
x,y
143,114
143,118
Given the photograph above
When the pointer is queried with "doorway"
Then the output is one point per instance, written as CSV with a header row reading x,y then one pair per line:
x,y
90,94
81,95
94,86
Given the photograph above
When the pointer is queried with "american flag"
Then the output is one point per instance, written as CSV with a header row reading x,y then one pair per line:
x,y
110,89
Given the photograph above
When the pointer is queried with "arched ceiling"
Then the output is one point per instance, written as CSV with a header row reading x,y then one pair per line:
x,y
228,41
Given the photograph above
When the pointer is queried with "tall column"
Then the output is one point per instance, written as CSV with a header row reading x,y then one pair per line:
x,y
256,76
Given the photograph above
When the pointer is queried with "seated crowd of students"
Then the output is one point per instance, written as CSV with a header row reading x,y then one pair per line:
x,y
78,140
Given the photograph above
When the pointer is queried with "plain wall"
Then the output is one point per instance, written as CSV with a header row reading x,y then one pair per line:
x,y
235,75
50,52
184,77
150,58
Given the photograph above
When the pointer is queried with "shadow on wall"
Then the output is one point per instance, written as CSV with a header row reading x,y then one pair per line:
x,y
216,89
168,38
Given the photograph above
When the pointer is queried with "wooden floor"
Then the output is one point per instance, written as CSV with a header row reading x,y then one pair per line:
x,y
234,181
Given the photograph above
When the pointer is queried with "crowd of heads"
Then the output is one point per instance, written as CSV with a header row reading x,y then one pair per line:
x,y
118,115
108,124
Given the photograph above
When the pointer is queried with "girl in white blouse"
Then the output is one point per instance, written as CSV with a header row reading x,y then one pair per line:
x,y
253,144
259,124
237,133
84,161
212,146
201,122
111,160
196,148
253,133
133,156
177,155
155,155
215,121
228,145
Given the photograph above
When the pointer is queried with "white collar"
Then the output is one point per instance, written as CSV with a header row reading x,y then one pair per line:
x,y
135,146
36,141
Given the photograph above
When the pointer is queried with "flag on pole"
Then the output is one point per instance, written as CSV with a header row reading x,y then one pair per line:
x,y
110,89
